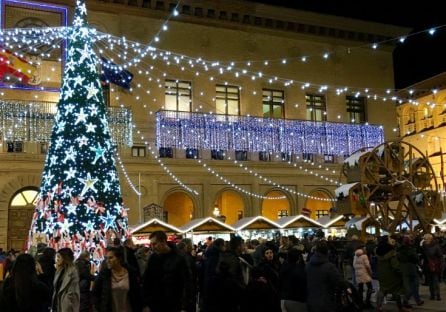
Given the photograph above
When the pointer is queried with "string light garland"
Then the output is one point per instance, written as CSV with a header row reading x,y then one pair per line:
x,y
129,182
166,56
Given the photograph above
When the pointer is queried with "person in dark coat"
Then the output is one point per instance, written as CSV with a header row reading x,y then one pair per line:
x,y
167,281
46,269
85,278
209,270
227,291
22,291
323,278
293,282
185,247
263,289
434,262
117,285
129,255
408,257
389,273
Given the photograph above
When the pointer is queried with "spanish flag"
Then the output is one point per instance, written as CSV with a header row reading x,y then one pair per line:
x,y
16,66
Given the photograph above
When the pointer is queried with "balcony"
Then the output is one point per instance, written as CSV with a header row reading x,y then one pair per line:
x,y
33,122
184,130
427,123
409,128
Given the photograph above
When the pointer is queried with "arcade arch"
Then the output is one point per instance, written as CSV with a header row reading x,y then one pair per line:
x,y
318,207
178,208
274,209
230,204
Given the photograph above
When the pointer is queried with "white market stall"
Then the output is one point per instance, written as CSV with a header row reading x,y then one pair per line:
x,y
141,233
298,225
200,229
255,227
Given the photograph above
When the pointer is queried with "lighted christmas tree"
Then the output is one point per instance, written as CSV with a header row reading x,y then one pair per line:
x,y
80,204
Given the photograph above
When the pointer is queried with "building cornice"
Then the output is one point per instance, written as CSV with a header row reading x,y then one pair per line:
x,y
246,15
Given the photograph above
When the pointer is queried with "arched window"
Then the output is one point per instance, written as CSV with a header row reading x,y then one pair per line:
x,y
20,213
25,198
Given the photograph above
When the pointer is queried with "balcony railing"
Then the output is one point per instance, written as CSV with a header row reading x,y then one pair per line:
x,y
33,121
223,132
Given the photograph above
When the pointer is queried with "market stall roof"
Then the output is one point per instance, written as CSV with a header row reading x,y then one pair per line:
x,y
255,223
442,220
327,222
155,225
208,224
356,222
354,158
298,221
345,189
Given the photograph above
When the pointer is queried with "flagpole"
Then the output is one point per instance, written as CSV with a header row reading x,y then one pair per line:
x,y
442,173
139,197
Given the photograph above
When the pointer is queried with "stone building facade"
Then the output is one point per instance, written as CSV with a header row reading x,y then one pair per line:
x,y
323,58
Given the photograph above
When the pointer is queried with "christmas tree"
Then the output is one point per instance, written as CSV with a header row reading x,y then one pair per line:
x,y
80,204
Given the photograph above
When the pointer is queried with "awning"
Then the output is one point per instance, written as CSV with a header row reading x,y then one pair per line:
x,y
299,221
208,225
327,222
154,225
256,223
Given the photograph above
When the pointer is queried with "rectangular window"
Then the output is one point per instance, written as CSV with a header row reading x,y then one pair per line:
x,y
316,107
273,104
329,158
166,152
178,95
356,109
286,156
106,93
218,154
264,156
138,151
43,147
308,156
282,213
321,213
227,100
192,153
15,147
241,155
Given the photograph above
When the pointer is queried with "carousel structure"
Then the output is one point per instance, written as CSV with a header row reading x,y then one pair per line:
x,y
393,186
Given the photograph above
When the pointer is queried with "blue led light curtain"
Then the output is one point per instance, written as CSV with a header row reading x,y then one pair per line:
x,y
222,132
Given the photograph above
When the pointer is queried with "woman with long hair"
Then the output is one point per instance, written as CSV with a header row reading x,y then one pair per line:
x,y
22,291
66,295
116,288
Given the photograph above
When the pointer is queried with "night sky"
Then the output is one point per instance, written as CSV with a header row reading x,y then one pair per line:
x,y
419,57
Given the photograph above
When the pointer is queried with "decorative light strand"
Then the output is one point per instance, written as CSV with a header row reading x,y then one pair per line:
x,y
130,183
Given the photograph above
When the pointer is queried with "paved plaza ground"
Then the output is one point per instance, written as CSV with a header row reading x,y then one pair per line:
x,y
429,305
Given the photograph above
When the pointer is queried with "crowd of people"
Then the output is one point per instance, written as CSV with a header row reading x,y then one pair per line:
x,y
311,274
